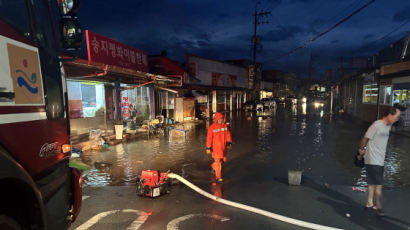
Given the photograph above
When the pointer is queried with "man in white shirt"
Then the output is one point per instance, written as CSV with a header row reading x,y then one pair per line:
x,y
373,148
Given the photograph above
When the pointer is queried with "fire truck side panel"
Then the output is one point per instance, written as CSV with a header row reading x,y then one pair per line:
x,y
37,142
34,172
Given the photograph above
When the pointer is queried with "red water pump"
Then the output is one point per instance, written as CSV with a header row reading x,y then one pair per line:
x,y
153,183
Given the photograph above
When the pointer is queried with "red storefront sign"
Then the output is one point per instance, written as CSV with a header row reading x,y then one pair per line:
x,y
105,50
125,108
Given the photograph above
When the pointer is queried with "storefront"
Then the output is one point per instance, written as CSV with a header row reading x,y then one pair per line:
x,y
401,96
166,103
396,90
266,89
224,84
112,86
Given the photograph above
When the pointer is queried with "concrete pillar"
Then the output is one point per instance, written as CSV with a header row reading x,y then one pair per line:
x,y
166,103
244,97
225,105
331,100
117,101
208,110
214,101
179,109
231,101
238,96
240,99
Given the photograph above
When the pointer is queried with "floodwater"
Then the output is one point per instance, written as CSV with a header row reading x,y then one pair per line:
x,y
265,146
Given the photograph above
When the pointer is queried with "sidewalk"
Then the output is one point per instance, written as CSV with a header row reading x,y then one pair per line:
x,y
330,205
333,206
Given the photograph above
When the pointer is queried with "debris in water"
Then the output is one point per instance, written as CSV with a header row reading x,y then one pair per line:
x,y
358,189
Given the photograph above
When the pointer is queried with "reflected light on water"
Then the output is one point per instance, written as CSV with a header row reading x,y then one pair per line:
x,y
119,149
304,108
294,110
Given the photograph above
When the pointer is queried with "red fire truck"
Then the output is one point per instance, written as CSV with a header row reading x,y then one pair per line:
x,y
38,189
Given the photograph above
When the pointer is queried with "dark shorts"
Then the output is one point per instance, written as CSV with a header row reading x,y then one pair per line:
x,y
374,174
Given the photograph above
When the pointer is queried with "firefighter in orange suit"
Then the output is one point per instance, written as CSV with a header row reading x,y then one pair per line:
x,y
217,141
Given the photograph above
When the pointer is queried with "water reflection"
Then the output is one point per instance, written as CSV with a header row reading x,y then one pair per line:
x,y
273,142
304,108
294,110
302,127
216,190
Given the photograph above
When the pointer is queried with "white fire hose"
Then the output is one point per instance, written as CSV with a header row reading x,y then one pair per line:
x,y
252,209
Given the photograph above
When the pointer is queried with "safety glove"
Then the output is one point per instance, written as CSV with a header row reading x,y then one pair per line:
x,y
228,146
208,150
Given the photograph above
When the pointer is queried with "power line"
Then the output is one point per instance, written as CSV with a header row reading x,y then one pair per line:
x,y
324,32
384,37
353,5
394,30
257,21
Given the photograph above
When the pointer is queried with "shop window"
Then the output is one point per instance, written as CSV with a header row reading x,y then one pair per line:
x,y
385,96
136,103
370,94
220,98
164,101
85,99
401,97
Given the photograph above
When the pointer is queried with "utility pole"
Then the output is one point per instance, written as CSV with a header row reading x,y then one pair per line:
x,y
256,39
256,42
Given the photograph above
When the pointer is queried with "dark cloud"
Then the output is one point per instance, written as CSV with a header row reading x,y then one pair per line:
x,y
297,1
289,1
203,44
282,33
316,25
243,38
223,15
222,30
402,15
203,36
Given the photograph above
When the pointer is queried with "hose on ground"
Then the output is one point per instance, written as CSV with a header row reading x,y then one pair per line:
x,y
250,208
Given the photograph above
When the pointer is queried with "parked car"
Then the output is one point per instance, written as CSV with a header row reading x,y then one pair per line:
x,y
291,100
281,100
258,105
248,106
268,103
318,103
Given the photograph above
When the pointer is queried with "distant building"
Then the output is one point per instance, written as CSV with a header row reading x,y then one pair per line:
x,y
368,93
284,83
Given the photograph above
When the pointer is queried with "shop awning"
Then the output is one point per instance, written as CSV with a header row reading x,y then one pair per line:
x,y
81,69
401,86
207,87
403,73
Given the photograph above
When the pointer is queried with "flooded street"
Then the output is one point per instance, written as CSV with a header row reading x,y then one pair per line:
x,y
264,147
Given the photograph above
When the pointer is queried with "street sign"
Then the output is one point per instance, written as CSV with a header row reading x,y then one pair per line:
x,y
251,76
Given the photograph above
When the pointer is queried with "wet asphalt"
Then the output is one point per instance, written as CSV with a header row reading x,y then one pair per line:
x,y
265,147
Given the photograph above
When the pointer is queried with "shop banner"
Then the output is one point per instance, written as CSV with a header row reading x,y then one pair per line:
x,y
125,107
105,50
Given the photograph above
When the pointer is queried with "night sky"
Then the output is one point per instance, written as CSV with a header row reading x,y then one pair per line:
x,y
223,29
